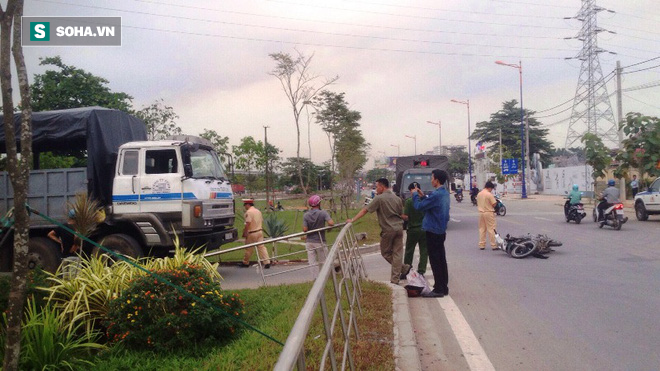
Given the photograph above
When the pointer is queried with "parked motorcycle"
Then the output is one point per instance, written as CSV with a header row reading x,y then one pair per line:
x,y
613,216
458,196
574,212
500,208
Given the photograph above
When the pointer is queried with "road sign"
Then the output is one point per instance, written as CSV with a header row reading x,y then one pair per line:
x,y
509,166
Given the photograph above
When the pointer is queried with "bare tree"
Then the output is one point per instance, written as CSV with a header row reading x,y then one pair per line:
x,y
300,87
18,168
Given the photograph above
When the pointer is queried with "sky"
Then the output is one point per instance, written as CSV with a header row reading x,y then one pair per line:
x,y
400,63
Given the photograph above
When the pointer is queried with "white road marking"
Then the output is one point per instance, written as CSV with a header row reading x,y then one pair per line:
x,y
472,350
540,218
454,220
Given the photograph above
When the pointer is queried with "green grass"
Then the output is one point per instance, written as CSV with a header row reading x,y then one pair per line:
x,y
274,310
292,215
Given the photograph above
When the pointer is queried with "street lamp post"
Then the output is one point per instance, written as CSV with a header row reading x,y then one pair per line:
x,y
467,103
439,125
414,137
398,149
522,124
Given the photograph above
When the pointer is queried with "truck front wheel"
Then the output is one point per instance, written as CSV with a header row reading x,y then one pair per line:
x,y
121,244
43,253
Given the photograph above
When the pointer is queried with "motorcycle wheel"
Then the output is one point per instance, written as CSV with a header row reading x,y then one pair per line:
x,y
521,250
501,211
595,215
600,225
617,224
578,220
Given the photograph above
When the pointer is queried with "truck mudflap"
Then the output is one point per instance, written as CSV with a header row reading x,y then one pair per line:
x,y
211,240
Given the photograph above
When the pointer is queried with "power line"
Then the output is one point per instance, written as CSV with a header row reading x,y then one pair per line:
x,y
640,70
642,62
336,46
418,17
295,19
648,104
648,85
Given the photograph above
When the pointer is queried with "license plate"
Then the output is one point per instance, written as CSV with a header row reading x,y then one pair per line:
x,y
619,212
228,236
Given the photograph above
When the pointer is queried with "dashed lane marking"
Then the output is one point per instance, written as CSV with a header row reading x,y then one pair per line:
x,y
541,218
454,220
472,350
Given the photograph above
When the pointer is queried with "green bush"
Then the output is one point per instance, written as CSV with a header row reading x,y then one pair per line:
x,y
150,314
36,280
49,341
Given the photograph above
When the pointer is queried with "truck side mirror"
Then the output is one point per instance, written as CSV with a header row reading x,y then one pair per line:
x,y
187,165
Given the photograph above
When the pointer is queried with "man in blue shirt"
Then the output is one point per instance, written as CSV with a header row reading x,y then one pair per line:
x,y
436,206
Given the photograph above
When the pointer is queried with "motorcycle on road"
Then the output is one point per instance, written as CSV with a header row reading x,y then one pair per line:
x,y
500,208
574,212
613,216
458,196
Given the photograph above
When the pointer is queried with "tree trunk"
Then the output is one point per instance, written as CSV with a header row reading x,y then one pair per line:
x,y
18,173
296,115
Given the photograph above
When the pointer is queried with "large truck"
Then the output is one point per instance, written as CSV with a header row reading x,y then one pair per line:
x,y
152,192
418,169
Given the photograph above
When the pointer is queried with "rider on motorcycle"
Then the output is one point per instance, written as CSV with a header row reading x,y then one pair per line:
x,y
608,197
573,198
474,191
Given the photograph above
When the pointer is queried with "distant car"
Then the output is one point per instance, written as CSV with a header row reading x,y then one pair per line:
x,y
648,202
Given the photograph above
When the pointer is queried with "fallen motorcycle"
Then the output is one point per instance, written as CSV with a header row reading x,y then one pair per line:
x,y
524,246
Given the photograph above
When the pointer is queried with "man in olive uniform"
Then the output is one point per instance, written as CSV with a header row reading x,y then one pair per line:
x,y
415,234
388,208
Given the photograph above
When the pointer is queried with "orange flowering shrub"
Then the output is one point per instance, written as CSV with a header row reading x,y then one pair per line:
x,y
151,314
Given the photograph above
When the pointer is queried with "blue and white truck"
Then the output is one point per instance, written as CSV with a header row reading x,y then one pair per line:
x,y
151,191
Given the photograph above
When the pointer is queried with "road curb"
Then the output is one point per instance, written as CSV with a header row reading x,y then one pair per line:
x,y
406,355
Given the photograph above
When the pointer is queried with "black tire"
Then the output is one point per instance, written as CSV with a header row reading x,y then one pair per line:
x,y
501,211
578,220
122,244
521,250
617,223
595,215
640,212
44,253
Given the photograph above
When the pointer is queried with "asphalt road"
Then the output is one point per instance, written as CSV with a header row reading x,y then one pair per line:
x,y
592,305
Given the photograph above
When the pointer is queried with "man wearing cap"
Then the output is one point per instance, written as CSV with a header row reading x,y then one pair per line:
x,y
253,233
388,208
315,244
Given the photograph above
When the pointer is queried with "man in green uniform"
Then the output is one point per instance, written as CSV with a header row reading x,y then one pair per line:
x,y
415,234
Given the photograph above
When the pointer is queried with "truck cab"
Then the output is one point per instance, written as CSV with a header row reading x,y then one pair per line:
x,y
175,186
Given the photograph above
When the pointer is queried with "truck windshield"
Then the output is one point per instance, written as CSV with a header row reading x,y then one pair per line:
x,y
206,164
424,181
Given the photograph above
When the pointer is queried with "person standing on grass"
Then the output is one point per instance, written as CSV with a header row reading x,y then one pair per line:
x,y
253,233
415,234
315,242
436,208
388,208
486,206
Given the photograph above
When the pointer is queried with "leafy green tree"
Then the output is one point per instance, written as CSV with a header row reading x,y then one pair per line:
x,y
71,87
347,144
641,148
598,156
377,173
251,155
508,119
458,162
289,170
160,120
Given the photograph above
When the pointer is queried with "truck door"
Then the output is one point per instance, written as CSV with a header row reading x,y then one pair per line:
x,y
126,187
160,181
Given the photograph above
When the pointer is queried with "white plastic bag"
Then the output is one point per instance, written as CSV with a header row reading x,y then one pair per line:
x,y
416,279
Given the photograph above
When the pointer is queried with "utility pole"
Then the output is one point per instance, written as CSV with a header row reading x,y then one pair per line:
x,y
500,149
266,154
619,108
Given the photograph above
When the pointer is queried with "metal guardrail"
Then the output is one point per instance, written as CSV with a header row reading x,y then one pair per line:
x,y
347,292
